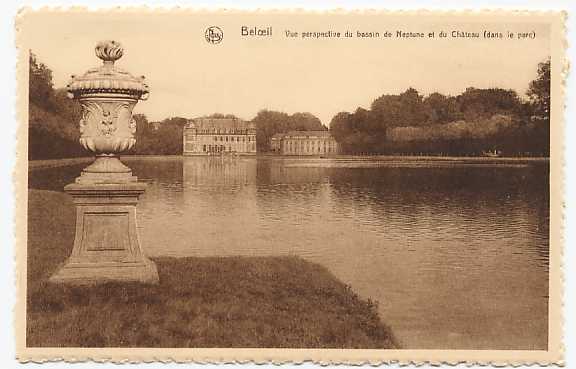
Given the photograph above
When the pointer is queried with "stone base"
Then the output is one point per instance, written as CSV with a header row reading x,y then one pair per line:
x,y
106,246
105,178
106,169
93,273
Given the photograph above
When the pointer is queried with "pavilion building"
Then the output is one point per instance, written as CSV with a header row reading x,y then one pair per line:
x,y
304,143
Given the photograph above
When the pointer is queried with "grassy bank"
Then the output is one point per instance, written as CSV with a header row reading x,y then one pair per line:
x,y
52,163
200,302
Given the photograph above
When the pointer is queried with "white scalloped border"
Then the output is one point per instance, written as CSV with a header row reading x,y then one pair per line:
x,y
287,356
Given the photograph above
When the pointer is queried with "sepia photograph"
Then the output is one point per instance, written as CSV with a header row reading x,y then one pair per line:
x,y
245,185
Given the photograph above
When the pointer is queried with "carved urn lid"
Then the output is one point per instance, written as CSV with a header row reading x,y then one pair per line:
x,y
108,79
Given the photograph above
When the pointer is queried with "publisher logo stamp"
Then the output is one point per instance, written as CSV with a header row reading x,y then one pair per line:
x,y
214,35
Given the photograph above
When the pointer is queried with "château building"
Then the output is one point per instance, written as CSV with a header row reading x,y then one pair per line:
x,y
304,143
215,136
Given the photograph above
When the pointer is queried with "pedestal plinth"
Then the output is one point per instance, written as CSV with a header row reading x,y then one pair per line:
x,y
106,246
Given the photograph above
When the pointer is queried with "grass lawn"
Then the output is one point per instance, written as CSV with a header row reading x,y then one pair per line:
x,y
200,302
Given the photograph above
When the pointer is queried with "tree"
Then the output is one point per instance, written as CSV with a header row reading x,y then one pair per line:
x,y
40,82
268,123
539,92
340,126
388,110
305,122
539,95
406,109
159,138
413,112
478,104
441,109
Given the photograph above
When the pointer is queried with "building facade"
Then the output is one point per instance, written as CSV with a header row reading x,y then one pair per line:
x,y
304,143
219,136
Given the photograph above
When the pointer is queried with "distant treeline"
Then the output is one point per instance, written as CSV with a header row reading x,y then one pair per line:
x,y
472,123
467,124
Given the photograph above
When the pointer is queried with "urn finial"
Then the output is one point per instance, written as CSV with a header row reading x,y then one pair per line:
x,y
109,51
108,79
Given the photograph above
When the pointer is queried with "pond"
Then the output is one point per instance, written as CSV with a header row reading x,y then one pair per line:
x,y
456,254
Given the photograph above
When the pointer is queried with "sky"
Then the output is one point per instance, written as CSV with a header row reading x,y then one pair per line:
x,y
190,77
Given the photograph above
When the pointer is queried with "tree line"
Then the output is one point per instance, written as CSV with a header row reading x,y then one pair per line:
x,y
473,122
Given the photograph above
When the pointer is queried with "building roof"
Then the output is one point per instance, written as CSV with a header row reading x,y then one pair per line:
x,y
219,123
303,134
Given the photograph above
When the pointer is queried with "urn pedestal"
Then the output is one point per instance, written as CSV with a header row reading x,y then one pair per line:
x,y
106,245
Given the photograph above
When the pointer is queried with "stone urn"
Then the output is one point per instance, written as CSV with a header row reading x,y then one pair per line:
x,y
106,245
107,95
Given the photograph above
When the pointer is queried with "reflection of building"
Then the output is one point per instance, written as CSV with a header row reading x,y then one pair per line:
x,y
213,136
225,171
304,143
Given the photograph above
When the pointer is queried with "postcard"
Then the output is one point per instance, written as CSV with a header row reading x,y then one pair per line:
x,y
289,186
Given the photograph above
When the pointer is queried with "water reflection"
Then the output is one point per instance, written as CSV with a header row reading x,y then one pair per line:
x,y
469,244
456,256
